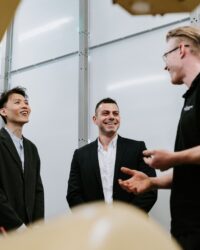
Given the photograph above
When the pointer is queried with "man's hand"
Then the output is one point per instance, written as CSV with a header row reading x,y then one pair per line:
x,y
159,159
139,182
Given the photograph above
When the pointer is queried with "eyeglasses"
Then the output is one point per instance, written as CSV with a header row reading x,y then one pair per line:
x,y
167,53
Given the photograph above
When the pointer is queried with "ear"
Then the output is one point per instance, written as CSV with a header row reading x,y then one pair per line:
x,y
3,112
182,50
94,119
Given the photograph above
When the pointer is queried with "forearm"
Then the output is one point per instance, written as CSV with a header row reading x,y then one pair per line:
x,y
74,196
9,219
39,207
188,156
74,191
146,200
38,212
75,202
162,182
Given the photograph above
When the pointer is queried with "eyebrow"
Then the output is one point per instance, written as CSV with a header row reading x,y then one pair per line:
x,y
105,110
18,99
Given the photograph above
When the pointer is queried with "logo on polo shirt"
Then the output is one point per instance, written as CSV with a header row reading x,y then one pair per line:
x,y
187,108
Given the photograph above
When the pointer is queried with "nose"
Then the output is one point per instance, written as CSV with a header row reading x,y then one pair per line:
x,y
111,116
25,105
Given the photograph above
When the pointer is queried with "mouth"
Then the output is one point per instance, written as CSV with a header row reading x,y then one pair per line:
x,y
24,113
111,123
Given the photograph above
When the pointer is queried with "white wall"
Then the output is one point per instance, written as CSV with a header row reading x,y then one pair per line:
x,y
44,30
45,61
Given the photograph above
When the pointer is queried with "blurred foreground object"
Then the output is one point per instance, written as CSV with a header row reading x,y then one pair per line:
x,y
153,7
95,226
2,231
7,10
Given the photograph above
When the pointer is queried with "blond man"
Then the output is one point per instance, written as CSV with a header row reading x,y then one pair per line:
x,y
182,59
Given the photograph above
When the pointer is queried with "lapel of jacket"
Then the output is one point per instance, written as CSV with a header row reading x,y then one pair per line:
x,y
11,147
95,162
27,156
119,154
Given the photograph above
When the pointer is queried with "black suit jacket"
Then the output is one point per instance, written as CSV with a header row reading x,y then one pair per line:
x,y
21,193
85,185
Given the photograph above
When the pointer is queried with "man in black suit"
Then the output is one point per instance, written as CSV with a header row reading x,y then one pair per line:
x,y
21,189
95,168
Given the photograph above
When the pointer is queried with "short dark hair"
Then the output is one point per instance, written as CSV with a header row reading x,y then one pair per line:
x,y
6,94
105,100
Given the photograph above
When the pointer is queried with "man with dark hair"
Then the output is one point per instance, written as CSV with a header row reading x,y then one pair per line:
x,y
95,168
105,100
21,189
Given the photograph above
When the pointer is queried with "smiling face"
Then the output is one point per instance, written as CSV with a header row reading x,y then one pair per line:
x,y
16,110
174,61
107,119
177,60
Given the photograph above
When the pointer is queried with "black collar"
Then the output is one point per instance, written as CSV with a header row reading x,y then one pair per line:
x,y
193,86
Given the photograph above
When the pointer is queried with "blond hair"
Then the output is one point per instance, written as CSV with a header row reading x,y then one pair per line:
x,y
189,34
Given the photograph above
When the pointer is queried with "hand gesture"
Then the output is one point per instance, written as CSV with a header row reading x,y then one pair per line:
x,y
138,183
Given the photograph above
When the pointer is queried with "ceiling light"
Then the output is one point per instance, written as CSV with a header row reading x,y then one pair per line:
x,y
140,7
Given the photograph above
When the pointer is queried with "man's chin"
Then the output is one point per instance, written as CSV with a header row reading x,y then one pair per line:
x,y
110,133
176,81
23,122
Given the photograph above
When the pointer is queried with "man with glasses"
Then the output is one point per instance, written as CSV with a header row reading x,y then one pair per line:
x,y
183,64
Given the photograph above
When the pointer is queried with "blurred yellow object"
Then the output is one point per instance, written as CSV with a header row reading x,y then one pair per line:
x,y
7,10
94,226
153,7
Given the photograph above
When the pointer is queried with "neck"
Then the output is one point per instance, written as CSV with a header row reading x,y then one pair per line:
x,y
105,140
191,73
16,130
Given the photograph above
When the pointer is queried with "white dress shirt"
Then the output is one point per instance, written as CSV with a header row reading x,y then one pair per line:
x,y
107,167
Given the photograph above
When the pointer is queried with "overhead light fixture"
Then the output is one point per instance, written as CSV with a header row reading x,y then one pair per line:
x,y
153,7
7,10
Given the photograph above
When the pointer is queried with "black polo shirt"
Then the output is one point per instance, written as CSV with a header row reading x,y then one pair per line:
x,y
185,195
